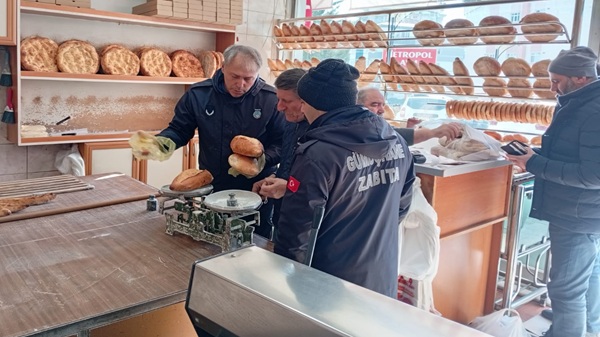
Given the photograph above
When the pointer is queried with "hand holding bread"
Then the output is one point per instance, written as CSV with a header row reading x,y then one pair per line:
x,y
248,157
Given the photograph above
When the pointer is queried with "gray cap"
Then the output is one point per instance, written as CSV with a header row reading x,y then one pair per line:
x,y
577,62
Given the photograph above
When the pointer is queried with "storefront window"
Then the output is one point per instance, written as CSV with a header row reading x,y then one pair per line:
x,y
398,23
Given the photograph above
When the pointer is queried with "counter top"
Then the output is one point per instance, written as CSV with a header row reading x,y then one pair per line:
x,y
65,273
447,170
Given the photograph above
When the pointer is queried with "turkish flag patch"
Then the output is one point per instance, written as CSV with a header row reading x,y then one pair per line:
x,y
293,184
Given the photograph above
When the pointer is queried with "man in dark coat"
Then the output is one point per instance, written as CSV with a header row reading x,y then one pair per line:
x,y
235,101
567,193
351,162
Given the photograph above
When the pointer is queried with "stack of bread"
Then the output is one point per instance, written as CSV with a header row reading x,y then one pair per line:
x,y
536,27
324,34
517,71
245,150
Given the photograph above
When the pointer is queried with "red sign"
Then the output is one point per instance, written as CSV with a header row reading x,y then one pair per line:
x,y
428,55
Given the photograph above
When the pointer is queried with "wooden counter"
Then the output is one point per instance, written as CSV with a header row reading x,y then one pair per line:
x,y
471,208
67,273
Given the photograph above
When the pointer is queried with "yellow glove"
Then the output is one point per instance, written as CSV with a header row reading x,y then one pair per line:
x,y
147,146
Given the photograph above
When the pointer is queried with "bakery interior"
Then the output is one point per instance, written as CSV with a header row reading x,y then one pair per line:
x,y
68,133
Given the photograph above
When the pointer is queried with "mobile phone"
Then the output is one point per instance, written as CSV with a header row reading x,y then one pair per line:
x,y
515,148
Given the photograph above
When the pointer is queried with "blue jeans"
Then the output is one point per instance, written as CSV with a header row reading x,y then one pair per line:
x,y
574,286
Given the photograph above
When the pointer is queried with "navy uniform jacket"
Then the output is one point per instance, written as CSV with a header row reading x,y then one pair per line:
x,y
566,191
355,165
219,117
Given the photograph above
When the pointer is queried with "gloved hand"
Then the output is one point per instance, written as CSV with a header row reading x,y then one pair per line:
x,y
260,165
150,147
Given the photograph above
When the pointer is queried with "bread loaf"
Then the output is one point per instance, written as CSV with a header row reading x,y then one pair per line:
x,y
514,83
428,33
490,23
468,35
542,88
459,69
39,54
191,179
246,146
487,66
534,19
493,134
494,87
514,66
244,165
540,68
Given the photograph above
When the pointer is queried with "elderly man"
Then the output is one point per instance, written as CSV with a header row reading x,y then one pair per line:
x,y
373,100
353,164
567,193
273,187
235,101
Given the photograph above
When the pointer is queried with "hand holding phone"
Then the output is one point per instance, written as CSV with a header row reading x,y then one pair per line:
x,y
515,148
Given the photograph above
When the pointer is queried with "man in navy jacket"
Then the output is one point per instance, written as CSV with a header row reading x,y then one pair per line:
x,y
235,101
567,193
351,162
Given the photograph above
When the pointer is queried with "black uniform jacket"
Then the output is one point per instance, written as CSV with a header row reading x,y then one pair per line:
x,y
355,165
219,117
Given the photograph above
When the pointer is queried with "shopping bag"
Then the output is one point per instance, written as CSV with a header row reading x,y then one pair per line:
x,y
502,323
420,239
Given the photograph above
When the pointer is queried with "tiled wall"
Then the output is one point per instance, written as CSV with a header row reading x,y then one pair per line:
x,y
21,162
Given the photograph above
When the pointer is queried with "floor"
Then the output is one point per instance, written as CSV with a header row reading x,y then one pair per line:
x,y
533,321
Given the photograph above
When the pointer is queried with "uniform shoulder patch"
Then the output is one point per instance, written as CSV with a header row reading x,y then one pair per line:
x,y
293,184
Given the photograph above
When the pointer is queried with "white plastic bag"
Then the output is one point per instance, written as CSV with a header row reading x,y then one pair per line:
x,y
465,149
420,239
502,323
70,162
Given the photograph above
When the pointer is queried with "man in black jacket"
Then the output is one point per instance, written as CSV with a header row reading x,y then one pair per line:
x,y
352,163
235,101
567,193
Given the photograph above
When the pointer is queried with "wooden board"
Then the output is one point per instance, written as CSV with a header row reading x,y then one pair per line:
x,y
54,184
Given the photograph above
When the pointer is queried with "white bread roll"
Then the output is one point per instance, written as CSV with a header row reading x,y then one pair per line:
x,y
244,165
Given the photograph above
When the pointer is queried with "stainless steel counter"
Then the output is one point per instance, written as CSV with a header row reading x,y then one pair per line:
x,y
448,170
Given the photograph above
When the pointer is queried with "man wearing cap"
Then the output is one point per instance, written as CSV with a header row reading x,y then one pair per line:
x,y
373,100
353,164
567,193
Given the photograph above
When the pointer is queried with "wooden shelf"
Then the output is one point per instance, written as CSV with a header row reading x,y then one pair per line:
x,y
48,76
93,14
88,137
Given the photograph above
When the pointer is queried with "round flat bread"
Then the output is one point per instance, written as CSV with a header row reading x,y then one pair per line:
x,y
77,57
536,23
185,64
154,62
515,83
494,87
118,60
459,69
514,66
39,54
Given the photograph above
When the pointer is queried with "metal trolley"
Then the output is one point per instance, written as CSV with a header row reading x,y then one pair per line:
x,y
525,261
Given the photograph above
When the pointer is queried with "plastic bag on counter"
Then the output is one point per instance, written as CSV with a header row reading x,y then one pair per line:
x,y
502,323
70,162
474,145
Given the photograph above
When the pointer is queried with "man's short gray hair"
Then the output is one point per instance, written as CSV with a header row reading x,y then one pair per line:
x,y
248,52
362,94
